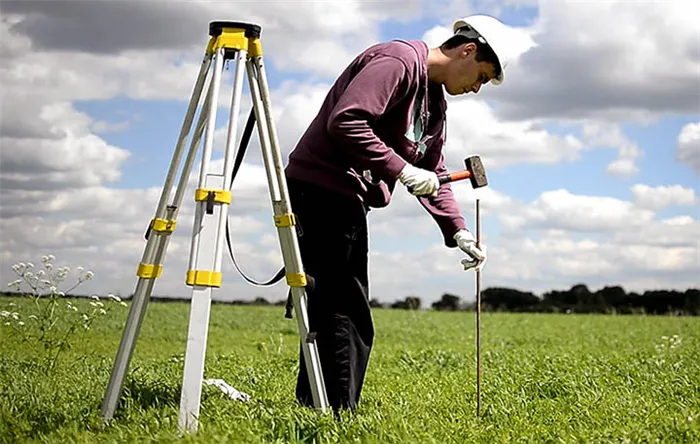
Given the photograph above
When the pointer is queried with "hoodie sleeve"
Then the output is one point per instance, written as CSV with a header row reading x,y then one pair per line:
x,y
378,85
443,208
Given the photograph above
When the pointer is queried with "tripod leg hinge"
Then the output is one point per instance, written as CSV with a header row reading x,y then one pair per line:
x,y
149,271
204,278
254,48
296,279
285,220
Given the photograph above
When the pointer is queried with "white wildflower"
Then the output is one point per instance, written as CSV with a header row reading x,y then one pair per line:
x,y
102,311
20,323
89,275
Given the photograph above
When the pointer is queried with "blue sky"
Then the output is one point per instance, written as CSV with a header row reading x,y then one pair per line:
x,y
405,243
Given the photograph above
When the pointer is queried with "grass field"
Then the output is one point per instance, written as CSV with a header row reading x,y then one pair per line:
x,y
546,378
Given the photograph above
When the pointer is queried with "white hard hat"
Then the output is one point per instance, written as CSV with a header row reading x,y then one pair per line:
x,y
494,33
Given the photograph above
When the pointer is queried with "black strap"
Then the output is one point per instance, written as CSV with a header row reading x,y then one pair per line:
x,y
245,138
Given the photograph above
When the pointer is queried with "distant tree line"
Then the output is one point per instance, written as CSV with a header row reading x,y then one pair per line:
x,y
578,299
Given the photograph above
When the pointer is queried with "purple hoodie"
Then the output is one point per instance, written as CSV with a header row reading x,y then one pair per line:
x,y
358,143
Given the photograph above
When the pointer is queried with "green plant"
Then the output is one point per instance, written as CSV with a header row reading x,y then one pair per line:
x,y
50,322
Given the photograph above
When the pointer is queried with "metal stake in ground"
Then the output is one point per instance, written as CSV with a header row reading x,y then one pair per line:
x,y
478,316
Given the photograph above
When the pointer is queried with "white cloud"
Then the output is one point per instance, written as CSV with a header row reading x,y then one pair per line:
x,y
617,240
71,156
575,73
564,210
688,150
293,33
561,239
657,198
472,128
609,135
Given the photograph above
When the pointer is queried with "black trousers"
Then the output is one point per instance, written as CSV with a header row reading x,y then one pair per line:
x,y
333,241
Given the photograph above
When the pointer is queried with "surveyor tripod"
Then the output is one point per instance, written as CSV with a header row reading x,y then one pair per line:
x,y
238,42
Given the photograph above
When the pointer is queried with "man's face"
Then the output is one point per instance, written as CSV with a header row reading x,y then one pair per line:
x,y
465,74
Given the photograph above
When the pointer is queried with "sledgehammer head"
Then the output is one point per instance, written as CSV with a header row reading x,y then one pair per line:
x,y
474,172
476,168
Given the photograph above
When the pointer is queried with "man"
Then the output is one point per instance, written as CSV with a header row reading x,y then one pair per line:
x,y
382,123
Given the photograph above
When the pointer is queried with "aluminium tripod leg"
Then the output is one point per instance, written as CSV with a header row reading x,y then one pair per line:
x,y
208,237
212,210
158,237
285,223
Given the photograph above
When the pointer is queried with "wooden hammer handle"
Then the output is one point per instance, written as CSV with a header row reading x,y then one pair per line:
x,y
453,177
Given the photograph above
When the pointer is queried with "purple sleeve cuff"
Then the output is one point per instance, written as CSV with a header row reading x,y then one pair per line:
x,y
443,208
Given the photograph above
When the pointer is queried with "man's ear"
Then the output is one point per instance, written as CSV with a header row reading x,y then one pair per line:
x,y
468,50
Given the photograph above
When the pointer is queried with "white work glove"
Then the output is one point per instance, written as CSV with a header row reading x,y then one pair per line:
x,y
467,243
418,181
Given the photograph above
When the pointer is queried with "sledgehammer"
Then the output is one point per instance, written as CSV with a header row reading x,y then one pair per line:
x,y
474,172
